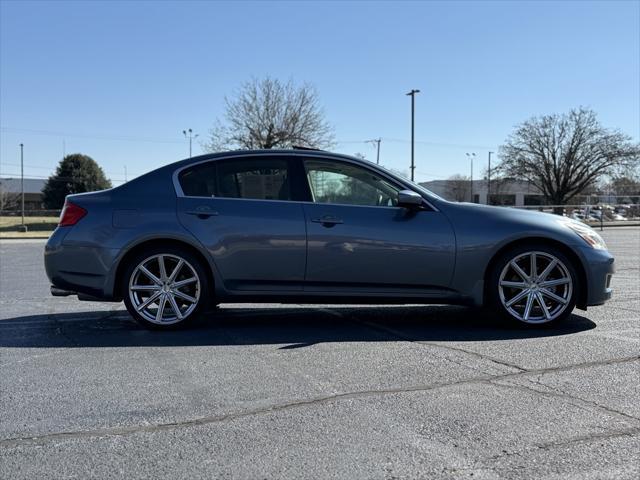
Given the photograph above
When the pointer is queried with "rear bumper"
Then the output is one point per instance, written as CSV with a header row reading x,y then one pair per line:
x,y
78,270
599,268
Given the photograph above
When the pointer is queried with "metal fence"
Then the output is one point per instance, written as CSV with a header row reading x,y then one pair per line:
x,y
30,213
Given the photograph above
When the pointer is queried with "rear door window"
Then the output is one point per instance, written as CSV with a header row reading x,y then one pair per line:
x,y
199,180
255,178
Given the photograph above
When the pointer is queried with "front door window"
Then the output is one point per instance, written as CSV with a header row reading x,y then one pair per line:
x,y
345,184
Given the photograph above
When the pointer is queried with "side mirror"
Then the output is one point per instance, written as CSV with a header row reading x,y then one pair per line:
x,y
409,199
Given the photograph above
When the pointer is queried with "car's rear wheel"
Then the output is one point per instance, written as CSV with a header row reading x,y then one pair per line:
x,y
166,288
533,285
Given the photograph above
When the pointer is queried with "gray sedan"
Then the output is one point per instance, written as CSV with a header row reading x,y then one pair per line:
x,y
302,226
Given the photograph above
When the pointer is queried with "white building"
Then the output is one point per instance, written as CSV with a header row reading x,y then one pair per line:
x,y
503,192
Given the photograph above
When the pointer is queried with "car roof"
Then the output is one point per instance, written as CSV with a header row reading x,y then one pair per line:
x,y
288,151
180,164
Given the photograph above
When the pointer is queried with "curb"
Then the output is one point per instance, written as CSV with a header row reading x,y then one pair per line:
x,y
9,239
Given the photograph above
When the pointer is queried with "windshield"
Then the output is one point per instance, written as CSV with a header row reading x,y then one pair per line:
x,y
427,191
413,184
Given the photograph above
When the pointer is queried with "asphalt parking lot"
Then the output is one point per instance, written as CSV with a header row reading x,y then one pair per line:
x,y
271,391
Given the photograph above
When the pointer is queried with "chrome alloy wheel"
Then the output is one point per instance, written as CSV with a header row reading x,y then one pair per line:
x,y
164,289
535,287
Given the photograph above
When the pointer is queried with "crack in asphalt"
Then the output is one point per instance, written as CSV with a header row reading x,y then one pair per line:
x,y
559,393
121,431
538,381
408,338
625,308
380,328
487,464
593,437
627,432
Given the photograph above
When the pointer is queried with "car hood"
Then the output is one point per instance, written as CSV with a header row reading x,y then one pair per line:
x,y
508,223
508,212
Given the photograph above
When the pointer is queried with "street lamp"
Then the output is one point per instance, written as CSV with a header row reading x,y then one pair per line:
x,y
471,156
412,94
189,134
489,181
23,227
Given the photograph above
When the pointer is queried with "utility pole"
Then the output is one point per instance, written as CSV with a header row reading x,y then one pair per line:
x,y
23,227
376,141
489,181
471,156
412,94
189,134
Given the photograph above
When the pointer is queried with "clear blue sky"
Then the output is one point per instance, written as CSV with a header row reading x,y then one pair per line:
x,y
120,80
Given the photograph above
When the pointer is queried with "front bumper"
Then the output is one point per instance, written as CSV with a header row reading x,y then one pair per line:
x,y
599,268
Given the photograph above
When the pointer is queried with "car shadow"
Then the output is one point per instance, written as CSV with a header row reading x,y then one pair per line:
x,y
286,327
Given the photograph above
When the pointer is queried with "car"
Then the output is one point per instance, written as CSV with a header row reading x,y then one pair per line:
x,y
306,226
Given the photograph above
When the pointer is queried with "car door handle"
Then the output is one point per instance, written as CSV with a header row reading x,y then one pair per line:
x,y
202,213
327,220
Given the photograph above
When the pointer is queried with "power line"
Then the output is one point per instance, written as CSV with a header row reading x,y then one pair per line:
x,y
422,142
40,167
8,176
90,135
180,141
438,144
27,165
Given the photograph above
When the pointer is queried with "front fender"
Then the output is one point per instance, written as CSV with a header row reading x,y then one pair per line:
x,y
483,232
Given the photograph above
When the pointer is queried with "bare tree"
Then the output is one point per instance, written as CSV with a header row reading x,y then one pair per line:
x,y
9,200
564,154
625,186
268,114
458,187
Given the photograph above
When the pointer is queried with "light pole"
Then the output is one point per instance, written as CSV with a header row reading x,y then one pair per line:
x,y
412,94
471,156
189,134
489,181
376,141
23,227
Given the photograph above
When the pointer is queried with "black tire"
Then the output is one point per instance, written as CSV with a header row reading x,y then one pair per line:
x,y
497,299
171,256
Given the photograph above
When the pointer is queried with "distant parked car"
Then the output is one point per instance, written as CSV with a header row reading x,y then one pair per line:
x,y
307,226
622,210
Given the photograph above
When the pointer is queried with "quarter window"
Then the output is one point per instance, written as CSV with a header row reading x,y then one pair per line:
x,y
342,183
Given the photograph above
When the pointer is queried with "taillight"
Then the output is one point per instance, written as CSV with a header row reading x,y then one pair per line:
x,y
71,214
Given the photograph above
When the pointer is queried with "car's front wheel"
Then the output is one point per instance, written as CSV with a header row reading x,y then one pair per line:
x,y
165,288
533,284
